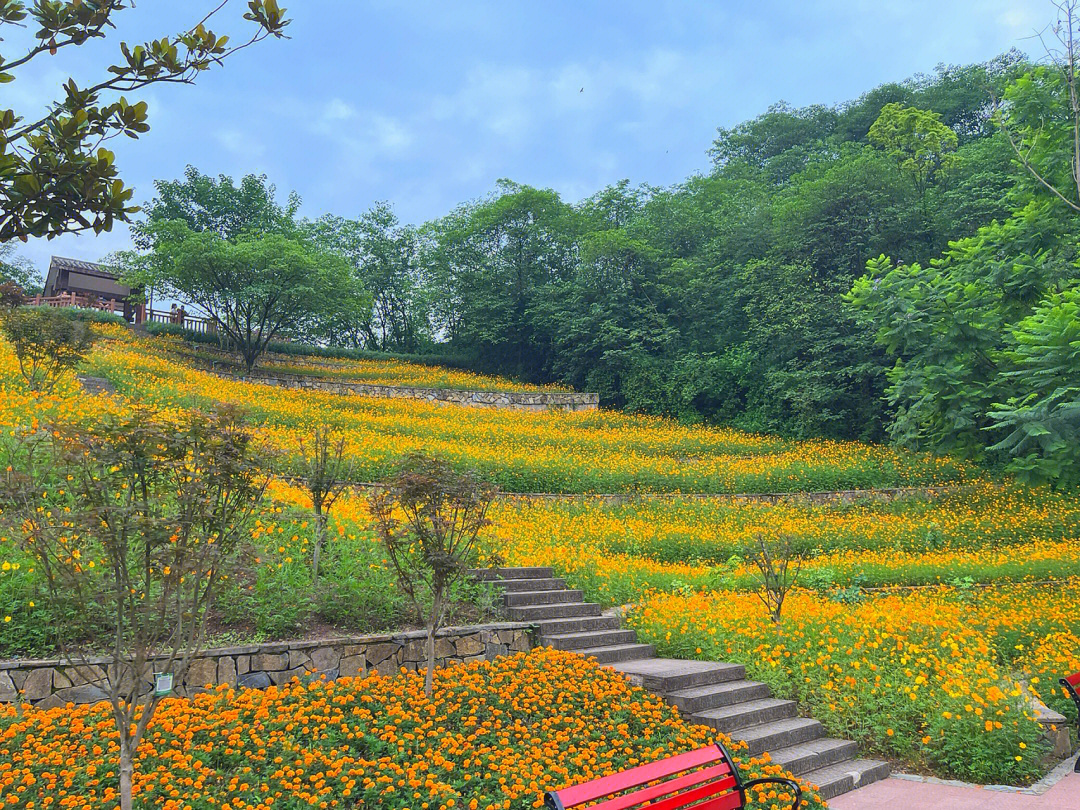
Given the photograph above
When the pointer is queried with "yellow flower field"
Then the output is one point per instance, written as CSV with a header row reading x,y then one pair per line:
x,y
988,532
373,371
930,677
595,451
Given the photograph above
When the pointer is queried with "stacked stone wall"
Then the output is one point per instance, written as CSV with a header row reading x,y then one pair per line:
x,y
513,400
57,682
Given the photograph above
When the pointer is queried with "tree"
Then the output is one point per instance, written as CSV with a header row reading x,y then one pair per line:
x,y
386,260
255,288
436,542
56,176
1040,112
218,206
1043,420
778,560
922,147
327,474
135,519
16,270
47,344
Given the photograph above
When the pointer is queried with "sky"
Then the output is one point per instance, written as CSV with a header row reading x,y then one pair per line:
x,y
428,104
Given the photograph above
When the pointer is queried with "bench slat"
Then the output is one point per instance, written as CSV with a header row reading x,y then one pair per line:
x,y
635,777
1073,679
669,787
689,798
731,801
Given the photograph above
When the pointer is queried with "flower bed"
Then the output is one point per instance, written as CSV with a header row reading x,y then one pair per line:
x,y
494,735
930,678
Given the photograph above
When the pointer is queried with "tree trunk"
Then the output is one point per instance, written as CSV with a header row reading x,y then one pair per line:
x,y
127,773
317,548
432,625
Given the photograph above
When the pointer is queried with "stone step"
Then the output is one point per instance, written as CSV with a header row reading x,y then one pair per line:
x,y
779,734
522,598
490,574
809,756
563,610
554,627
551,584
662,675
744,715
590,638
618,652
700,698
832,780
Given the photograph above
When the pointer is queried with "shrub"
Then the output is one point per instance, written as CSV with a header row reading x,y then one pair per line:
x,y
47,345
437,543
137,517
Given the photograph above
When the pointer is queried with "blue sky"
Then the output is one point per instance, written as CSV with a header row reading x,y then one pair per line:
x,y
426,105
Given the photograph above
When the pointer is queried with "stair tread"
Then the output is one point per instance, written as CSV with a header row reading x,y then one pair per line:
x,y
762,704
832,780
556,583
805,757
561,605
611,622
583,634
818,746
587,651
664,667
544,592
713,688
774,727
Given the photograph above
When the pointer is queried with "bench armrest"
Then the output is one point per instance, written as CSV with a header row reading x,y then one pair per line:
x,y
778,780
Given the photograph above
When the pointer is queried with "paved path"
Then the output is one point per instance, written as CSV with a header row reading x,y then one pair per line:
x,y
893,793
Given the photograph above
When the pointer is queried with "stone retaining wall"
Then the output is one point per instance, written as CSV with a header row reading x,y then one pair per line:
x,y
56,682
514,400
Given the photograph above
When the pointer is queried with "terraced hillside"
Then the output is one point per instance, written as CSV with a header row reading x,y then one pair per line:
x,y
921,623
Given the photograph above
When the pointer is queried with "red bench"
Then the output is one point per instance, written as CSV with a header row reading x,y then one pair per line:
x,y
705,779
1072,686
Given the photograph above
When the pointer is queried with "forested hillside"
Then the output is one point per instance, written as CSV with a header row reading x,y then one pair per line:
x,y
721,298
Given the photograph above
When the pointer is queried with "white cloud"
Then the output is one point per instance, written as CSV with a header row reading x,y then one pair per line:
x,y
338,110
239,143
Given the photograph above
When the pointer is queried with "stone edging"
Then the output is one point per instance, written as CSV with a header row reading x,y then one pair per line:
x,y
56,681
1059,772
513,400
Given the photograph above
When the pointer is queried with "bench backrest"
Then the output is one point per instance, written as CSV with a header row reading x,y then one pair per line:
x,y
702,780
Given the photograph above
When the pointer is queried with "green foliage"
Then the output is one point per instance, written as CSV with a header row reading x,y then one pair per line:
x,y
1044,422
47,345
719,299
56,175
983,325
386,259
243,260
922,147
16,270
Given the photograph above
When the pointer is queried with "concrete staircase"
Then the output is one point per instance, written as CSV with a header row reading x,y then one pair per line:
x,y
711,693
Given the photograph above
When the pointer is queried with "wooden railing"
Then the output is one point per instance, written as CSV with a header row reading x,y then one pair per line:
x,y
180,318
79,301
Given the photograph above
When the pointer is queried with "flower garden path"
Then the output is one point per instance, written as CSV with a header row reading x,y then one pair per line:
x,y
711,693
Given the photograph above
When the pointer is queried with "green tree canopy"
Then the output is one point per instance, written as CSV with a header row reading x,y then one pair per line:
x,y
922,147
